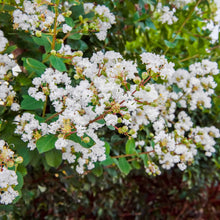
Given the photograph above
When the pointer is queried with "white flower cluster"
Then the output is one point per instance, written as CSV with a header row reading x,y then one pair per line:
x,y
7,95
205,137
7,66
152,168
197,85
105,92
166,14
180,146
104,18
30,129
35,16
158,64
8,178
3,41
213,25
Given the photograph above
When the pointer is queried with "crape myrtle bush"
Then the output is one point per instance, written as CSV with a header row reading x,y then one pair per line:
x,y
94,91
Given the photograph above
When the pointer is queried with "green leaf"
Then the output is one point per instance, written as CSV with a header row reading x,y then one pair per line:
x,y
10,49
69,21
111,127
46,143
170,44
77,44
22,169
6,7
20,181
77,139
89,15
77,10
30,103
45,40
144,157
101,121
33,65
107,148
130,146
57,63
124,166
53,158
108,161
75,36
23,80
150,24
136,164
98,170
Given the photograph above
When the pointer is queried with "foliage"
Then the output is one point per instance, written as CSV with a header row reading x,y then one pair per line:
x,y
72,169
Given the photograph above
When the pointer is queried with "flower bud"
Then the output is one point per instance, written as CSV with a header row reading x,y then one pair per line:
x,y
117,81
81,18
144,75
46,90
119,120
124,129
59,41
53,52
76,76
68,13
38,33
127,116
86,140
137,80
151,134
116,108
147,88
19,160
78,53
131,132
10,163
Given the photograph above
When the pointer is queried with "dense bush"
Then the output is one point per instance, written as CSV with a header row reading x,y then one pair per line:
x,y
109,109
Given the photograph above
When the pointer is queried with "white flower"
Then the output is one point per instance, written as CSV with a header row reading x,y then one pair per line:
x,y
15,107
67,28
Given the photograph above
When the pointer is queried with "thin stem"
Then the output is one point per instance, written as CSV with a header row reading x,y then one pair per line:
x,y
55,25
99,117
188,58
183,24
53,116
130,155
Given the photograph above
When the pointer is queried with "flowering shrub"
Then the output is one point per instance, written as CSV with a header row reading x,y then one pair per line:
x,y
67,91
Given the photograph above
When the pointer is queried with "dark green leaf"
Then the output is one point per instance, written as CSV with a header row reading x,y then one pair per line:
x,y
30,103
10,49
124,166
57,63
77,44
46,143
54,158
75,36
69,21
44,40
111,127
98,170
77,10
107,148
33,65
108,161
130,146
